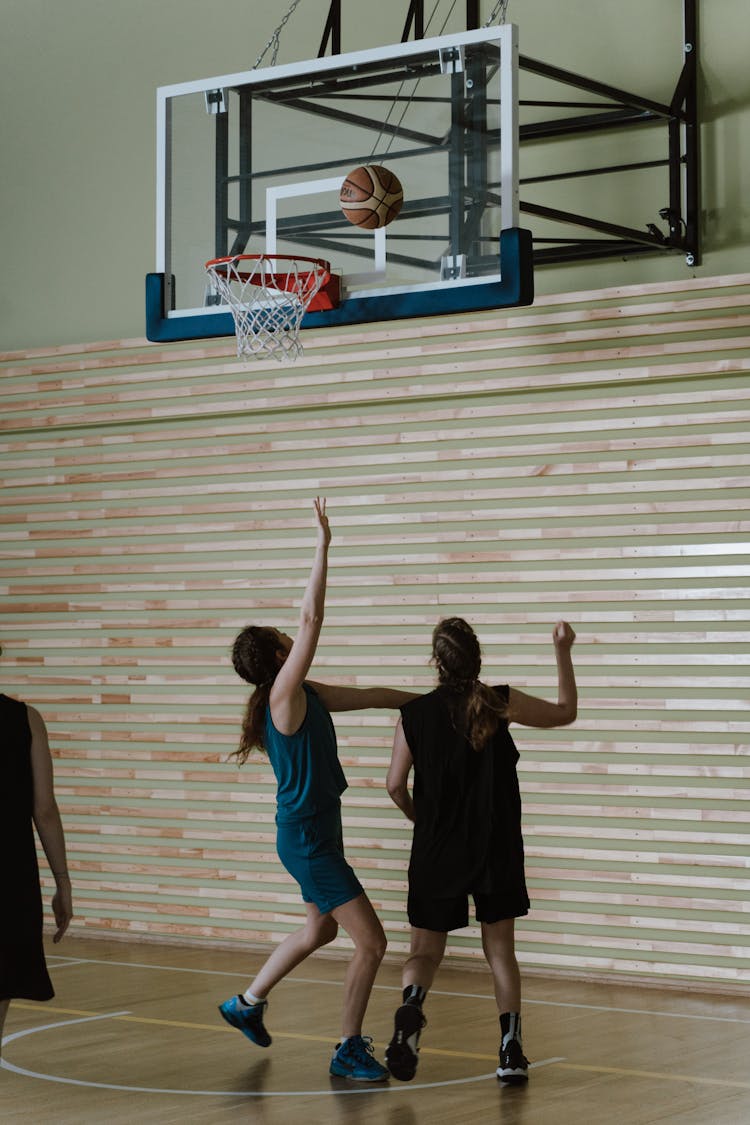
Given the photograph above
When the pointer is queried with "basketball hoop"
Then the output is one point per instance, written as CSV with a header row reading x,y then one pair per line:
x,y
268,300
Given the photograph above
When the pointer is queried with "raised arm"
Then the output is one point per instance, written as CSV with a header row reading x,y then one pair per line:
x,y
338,698
533,712
287,698
398,773
46,817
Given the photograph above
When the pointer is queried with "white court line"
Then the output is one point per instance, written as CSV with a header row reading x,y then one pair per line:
x,y
433,992
369,1089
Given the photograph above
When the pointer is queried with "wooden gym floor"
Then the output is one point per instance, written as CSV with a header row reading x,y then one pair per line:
x,y
133,1036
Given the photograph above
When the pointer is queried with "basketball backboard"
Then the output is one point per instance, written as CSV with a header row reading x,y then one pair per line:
x,y
253,163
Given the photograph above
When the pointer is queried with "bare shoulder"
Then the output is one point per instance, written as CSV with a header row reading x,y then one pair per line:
x,y
288,709
36,722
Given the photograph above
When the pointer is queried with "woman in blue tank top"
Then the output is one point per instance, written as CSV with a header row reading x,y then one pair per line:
x,y
289,718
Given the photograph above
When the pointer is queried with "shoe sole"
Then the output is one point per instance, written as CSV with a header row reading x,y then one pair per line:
x,y
400,1059
401,1062
512,1077
357,1077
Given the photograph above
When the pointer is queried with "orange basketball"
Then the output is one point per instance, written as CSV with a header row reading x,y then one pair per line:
x,y
371,196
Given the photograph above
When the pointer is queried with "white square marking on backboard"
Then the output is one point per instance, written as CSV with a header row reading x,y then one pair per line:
x,y
313,187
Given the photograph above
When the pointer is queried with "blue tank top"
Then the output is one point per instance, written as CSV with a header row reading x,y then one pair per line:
x,y
309,774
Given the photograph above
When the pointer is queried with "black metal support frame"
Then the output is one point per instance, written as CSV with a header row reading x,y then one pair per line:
x,y
467,142
332,30
621,109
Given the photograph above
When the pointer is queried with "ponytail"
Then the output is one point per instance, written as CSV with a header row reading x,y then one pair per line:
x,y
252,736
255,659
484,711
458,657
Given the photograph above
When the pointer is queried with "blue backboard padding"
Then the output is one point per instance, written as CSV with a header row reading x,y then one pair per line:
x,y
515,288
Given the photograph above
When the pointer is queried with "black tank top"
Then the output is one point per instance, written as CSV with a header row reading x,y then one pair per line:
x,y
23,970
467,832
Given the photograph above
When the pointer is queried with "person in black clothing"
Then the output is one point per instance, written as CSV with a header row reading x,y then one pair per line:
x,y
466,809
26,796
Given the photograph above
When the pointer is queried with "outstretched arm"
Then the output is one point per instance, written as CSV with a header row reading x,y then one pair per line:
x,y
337,698
46,817
287,698
533,712
398,773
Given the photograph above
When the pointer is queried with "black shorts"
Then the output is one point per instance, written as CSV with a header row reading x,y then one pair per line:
x,y
427,912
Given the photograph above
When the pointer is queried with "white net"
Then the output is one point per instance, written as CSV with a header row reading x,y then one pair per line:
x,y
268,298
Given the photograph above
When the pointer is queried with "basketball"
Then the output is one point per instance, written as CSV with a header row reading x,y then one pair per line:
x,y
371,196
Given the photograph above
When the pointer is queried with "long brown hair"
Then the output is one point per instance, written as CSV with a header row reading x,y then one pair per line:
x,y
458,659
255,659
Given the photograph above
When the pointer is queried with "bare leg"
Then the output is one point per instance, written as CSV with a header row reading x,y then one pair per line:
x,y
4,1005
425,955
499,949
318,930
363,926
498,943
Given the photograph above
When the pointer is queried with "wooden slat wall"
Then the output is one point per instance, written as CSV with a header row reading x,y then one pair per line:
x,y
585,458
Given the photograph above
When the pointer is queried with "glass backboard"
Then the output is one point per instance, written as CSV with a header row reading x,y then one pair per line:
x,y
252,163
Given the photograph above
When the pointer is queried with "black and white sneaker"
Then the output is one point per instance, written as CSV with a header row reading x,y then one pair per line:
x,y
402,1053
514,1066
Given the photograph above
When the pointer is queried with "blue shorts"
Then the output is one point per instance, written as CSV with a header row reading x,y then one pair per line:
x,y
312,851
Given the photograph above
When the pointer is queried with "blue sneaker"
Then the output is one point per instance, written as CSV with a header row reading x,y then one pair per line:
x,y
248,1018
355,1059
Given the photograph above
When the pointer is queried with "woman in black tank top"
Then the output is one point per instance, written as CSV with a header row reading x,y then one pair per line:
x,y
27,799
466,810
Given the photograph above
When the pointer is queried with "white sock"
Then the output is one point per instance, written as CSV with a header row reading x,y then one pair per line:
x,y
250,999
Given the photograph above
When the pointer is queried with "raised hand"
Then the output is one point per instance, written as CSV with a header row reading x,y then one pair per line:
x,y
563,636
324,531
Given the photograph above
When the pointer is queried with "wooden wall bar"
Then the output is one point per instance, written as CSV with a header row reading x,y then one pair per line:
x,y
584,458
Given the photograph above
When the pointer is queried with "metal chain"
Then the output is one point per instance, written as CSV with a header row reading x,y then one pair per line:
x,y
274,40
502,8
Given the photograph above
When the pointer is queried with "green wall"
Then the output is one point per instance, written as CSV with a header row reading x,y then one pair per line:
x,y
78,81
